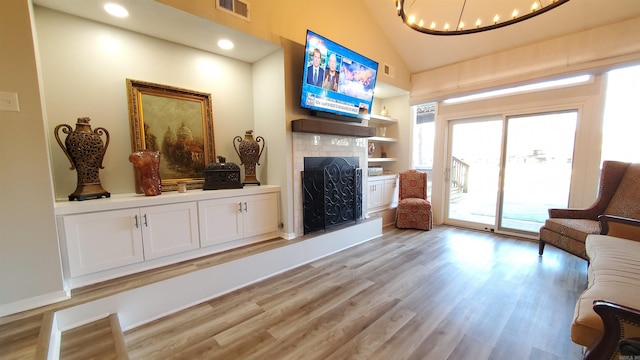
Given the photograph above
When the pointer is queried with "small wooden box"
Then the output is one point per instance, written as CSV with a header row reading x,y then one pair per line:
x,y
222,176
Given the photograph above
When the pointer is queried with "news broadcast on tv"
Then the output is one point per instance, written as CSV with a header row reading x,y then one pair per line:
x,y
336,79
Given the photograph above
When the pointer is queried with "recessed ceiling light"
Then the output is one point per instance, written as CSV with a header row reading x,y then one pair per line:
x,y
225,44
116,10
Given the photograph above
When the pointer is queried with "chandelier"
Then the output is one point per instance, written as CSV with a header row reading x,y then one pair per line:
x,y
440,17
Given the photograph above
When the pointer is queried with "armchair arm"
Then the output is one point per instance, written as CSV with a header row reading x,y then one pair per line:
x,y
606,219
615,318
588,213
610,177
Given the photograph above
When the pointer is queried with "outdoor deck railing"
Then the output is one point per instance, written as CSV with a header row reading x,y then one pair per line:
x,y
459,176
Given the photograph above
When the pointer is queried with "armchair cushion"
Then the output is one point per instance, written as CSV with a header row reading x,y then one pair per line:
x,y
613,270
574,228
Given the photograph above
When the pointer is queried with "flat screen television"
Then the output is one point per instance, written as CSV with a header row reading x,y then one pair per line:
x,y
337,83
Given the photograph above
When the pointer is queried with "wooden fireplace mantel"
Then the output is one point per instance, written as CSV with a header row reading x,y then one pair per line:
x,y
331,128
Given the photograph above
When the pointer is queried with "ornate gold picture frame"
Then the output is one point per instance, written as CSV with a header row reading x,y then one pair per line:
x,y
178,123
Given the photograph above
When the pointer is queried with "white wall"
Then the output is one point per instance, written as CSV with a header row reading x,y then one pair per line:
x,y
30,270
85,65
270,123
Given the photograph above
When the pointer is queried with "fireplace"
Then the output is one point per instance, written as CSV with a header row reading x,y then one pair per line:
x,y
332,192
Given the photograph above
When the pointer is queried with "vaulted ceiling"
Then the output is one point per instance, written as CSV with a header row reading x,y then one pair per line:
x,y
418,51
422,52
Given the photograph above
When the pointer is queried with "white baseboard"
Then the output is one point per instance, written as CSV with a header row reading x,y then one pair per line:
x,y
32,303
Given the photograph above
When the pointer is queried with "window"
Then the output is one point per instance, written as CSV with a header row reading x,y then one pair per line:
x,y
423,136
621,123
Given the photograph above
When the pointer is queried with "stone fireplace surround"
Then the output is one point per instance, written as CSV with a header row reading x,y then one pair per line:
x,y
319,145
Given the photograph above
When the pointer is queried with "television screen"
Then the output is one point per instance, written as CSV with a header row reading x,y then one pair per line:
x,y
336,82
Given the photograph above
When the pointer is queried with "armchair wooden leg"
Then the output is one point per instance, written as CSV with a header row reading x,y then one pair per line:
x,y
541,247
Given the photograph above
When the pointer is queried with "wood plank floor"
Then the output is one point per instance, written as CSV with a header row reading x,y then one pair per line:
x,y
448,293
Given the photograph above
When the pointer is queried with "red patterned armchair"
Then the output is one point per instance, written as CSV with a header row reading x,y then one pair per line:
x,y
413,211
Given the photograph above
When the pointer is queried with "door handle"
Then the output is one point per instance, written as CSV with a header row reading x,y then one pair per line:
x,y
136,218
146,224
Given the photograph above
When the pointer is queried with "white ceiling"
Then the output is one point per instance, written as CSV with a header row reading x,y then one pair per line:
x,y
419,51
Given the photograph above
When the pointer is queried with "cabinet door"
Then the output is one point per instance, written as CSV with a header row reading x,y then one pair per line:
x,y
102,241
169,229
260,214
376,189
390,194
220,220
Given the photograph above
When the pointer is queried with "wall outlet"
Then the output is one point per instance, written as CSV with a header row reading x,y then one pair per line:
x,y
9,101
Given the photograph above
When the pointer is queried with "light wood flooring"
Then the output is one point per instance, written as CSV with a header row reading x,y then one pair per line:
x,y
448,293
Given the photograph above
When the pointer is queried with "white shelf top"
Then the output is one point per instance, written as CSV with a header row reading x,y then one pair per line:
x,y
381,120
123,201
382,159
381,177
382,139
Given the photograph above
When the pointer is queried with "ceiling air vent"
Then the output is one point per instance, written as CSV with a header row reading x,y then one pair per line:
x,y
389,70
235,7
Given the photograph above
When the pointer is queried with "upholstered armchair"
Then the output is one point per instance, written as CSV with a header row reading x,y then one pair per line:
x,y
414,210
618,195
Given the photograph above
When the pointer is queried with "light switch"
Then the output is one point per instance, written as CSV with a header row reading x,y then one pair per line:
x,y
9,101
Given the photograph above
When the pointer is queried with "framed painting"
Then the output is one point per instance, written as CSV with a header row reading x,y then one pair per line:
x,y
178,123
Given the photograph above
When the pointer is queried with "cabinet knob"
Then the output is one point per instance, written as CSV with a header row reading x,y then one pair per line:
x,y
240,206
245,206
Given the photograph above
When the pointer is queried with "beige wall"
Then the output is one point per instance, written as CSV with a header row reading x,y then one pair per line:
x,y
84,67
29,255
346,22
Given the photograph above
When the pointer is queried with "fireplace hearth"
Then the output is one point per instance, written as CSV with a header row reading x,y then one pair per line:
x,y
332,192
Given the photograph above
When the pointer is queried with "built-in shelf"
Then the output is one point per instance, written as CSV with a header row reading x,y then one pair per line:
x,y
379,120
331,128
383,139
371,160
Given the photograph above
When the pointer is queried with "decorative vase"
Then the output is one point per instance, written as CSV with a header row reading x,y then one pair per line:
x,y
85,150
147,166
371,149
249,151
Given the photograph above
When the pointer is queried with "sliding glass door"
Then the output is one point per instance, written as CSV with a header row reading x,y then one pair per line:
x,y
474,173
537,168
505,173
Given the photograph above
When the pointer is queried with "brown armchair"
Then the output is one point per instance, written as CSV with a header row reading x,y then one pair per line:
x,y
618,194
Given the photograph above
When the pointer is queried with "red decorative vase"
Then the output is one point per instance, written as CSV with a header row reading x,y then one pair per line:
x,y
147,166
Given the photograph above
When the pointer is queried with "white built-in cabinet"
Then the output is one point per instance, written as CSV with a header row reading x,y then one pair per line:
x,y
103,240
169,229
224,220
111,237
383,192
